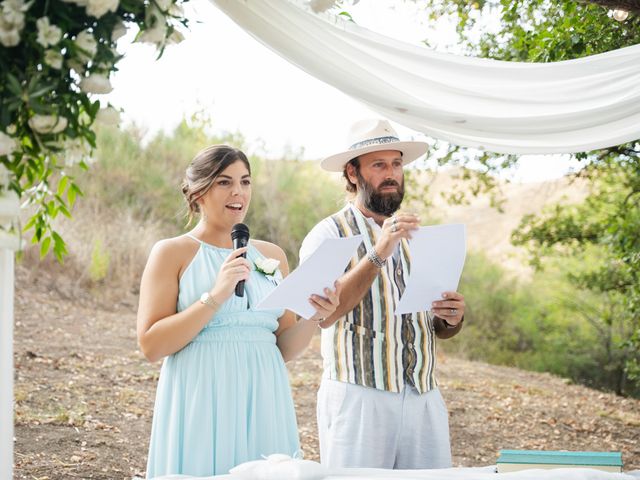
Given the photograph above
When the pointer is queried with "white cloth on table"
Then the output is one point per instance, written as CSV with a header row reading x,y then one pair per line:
x,y
477,473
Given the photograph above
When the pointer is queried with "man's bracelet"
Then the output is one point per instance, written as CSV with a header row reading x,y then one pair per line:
x,y
373,257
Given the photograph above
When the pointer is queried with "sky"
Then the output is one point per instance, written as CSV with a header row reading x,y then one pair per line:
x,y
243,86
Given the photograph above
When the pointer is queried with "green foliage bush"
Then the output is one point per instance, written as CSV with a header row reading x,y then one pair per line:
x,y
547,323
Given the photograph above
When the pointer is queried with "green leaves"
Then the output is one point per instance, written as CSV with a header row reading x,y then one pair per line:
x,y
43,105
606,225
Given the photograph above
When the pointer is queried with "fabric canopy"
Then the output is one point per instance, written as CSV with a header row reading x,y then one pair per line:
x,y
507,107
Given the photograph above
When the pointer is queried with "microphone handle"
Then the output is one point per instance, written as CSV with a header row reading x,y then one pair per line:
x,y
239,243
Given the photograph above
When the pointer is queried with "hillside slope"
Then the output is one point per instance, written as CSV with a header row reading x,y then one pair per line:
x,y
489,230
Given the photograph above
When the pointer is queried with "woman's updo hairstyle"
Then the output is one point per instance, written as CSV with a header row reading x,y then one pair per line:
x,y
203,170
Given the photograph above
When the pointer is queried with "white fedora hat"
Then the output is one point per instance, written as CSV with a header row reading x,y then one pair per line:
x,y
373,135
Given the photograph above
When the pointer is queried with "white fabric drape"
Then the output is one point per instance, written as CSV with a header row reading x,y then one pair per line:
x,y
508,107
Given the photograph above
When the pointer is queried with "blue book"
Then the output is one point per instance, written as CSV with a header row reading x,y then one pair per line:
x,y
514,460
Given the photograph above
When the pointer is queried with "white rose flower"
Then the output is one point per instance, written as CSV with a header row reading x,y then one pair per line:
x,y
108,116
13,12
75,150
12,19
96,83
176,10
11,129
47,123
87,43
176,37
53,58
157,22
48,35
4,176
119,31
155,35
9,38
164,5
268,266
7,145
97,8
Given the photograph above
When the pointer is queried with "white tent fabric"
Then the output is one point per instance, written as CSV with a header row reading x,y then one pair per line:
x,y
507,107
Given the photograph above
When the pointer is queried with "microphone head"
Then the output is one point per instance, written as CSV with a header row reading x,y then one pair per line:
x,y
239,230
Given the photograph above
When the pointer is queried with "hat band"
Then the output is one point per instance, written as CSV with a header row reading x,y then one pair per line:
x,y
374,141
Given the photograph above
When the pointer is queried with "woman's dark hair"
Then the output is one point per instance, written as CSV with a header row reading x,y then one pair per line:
x,y
203,170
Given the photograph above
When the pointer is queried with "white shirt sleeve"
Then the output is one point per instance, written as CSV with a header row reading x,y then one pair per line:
x,y
325,229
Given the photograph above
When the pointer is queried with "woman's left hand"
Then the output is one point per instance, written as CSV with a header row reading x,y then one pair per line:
x,y
326,305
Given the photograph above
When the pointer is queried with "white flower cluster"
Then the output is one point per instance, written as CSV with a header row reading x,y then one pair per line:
x,y
49,36
268,266
12,21
48,123
76,150
80,53
96,83
7,145
86,49
156,19
108,116
96,8
4,177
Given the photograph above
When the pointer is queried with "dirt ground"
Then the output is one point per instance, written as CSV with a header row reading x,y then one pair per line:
x,y
84,397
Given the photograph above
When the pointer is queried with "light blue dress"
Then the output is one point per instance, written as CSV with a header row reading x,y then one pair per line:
x,y
224,399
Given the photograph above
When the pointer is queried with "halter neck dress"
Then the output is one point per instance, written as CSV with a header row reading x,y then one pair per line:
x,y
223,399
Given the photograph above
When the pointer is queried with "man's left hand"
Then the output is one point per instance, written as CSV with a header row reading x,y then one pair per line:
x,y
450,308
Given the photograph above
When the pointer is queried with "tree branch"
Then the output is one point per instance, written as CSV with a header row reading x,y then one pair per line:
x,y
628,5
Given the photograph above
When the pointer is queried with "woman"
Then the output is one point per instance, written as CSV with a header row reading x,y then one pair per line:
x,y
223,396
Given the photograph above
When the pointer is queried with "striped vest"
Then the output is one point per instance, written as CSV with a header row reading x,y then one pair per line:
x,y
370,346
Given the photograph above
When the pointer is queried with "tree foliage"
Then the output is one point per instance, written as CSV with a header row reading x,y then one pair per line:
x,y
608,222
56,56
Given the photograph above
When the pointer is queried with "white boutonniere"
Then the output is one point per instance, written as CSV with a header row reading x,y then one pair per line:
x,y
267,266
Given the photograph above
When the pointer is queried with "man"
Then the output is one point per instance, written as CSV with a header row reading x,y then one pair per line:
x,y
378,403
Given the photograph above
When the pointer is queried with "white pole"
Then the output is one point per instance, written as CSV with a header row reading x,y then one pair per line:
x,y
6,363
9,209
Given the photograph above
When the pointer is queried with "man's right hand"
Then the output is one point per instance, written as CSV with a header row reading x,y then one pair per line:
x,y
394,228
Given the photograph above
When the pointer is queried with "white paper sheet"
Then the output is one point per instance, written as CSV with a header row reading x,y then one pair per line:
x,y
437,257
318,272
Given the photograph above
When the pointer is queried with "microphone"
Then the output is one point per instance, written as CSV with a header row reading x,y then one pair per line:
x,y
240,238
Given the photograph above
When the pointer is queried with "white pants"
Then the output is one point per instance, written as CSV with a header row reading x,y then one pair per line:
x,y
364,427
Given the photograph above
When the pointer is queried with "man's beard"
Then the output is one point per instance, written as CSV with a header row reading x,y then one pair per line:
x,y
381,203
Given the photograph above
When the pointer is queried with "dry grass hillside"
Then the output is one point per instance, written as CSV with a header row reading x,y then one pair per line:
x,y
489,230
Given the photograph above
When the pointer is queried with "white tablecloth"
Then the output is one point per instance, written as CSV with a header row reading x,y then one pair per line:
x,y
479,473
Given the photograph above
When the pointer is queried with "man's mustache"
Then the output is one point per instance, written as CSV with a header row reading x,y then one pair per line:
x,y
389,183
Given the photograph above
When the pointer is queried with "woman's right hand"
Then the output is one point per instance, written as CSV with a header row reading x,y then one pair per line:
x,y
233,270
